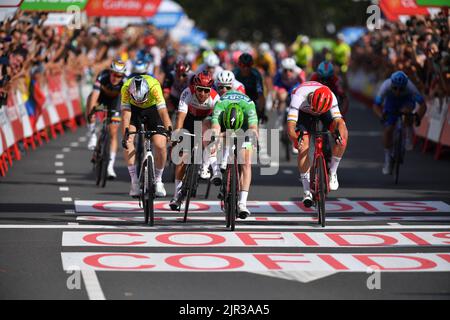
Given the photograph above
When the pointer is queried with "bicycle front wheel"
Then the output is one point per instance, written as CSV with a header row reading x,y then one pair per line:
x,y
232,204
321,191
149,193
104,160
397,157
192,172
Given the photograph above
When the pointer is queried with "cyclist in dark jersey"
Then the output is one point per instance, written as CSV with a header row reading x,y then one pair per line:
x,y
106,92
174,84
253,83
325,75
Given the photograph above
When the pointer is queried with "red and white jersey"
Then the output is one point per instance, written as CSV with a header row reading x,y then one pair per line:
x,y
299,101
238,86
189,103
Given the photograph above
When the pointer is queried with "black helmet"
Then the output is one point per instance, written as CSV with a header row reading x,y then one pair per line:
x,y
246,59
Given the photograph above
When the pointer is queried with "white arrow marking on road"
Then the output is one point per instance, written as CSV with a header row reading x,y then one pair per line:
x,y
300,276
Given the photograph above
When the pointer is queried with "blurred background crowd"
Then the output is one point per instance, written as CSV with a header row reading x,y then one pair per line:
x,y
420,47
30,48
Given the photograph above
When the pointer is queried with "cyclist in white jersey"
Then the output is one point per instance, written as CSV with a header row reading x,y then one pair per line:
x,y
309,101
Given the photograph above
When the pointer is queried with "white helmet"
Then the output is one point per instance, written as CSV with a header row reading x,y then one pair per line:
x,y
139,90
225,78
288,63
264,47
279,47
212,60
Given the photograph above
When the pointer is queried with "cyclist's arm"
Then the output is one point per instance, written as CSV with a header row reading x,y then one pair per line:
x,y
183,108
92,101
215,124
125,107
378,103
156,91
293,117
252,118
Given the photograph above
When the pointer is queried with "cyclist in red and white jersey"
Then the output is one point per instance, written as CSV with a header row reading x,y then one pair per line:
x,y
196,105
309,101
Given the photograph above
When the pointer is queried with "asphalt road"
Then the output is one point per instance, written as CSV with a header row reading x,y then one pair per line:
x,y
64,238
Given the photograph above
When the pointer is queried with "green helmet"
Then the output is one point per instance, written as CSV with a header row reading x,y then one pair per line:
x,y
233,117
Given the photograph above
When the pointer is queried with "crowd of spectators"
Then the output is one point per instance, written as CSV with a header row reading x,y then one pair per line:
x,y
31,49
420,47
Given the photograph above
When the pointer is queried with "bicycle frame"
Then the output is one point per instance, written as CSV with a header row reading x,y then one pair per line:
x,y
318,156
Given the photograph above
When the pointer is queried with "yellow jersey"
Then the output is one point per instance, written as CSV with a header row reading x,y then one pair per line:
x,y
156,97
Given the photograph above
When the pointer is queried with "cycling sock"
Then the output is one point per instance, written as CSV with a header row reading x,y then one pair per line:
x,y
91,128
206,158
178,184
133,175
214,164
304,178
112,159
158,174
387,155
334,164
243,197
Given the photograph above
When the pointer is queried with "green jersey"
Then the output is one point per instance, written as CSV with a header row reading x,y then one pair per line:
x,y
236,97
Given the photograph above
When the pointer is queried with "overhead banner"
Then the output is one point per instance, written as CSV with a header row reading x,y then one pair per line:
x,y
393,9
433,3
10,3
168,15
52,5
133,8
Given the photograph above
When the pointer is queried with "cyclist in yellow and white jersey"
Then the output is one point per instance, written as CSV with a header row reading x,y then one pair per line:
x,y
143,96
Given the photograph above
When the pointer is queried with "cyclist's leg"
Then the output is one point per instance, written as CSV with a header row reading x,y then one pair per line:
x,y
208,157
304,123
130,156
391,108
114,141
245,177
338,149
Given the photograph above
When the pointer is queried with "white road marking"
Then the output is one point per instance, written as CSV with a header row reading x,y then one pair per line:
x,y
64,189
74,144
82,139
263,219
288,171
300,276
69,211
66,149
59,171
61,180
59,156
325,239
221,227
66,199
59,164
256,262
93,288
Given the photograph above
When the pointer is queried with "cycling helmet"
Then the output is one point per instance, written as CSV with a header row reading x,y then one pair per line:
x,y
212,60
322,100
139,67
220,45
399,79
246,59
225,78
182,67
233,117
118,66
279,47
264,47
203,79
325,70
288,63
139,90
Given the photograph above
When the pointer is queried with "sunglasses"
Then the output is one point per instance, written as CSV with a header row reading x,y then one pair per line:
x,y
225,87
203,89
288,70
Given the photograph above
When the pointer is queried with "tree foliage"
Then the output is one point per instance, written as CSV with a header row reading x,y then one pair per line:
x,y
264,20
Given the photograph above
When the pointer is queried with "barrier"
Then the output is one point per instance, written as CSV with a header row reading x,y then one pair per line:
x,y
31,112
435,125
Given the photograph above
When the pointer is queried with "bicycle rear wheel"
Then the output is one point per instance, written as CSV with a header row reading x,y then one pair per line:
x,y
321,191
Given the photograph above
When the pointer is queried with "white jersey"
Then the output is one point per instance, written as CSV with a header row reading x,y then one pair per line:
x,y
299,101
189,103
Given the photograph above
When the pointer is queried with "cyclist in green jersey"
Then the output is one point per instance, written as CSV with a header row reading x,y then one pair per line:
x,y
236,111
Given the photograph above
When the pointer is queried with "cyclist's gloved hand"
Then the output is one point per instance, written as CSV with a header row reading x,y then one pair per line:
x,y
338,138
125,139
